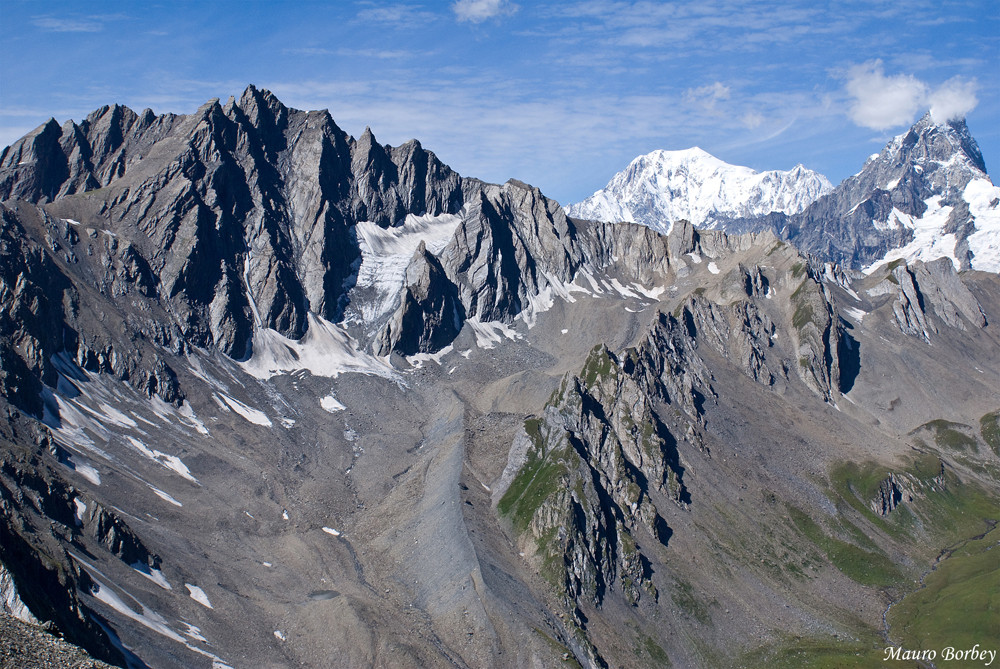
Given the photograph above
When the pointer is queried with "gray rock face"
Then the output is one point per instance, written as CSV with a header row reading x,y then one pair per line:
x,y
510,238
203,228
43,317
54,161
393,182
243,216
887,497
609,462
929,288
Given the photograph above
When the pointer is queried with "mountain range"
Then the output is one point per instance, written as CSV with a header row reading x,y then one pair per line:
x,y
925,196
274,395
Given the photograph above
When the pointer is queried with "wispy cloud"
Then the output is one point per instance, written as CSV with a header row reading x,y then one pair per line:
x,y
74,24
381,54
880,102
399,14
67,25
707,97
477,11
752,120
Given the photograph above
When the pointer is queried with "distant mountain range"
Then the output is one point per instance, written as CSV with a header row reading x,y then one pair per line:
x,y
926,195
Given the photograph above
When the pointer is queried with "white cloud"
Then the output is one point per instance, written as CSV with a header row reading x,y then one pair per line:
x,y
953,99
881,102
707,96
478,11
752,120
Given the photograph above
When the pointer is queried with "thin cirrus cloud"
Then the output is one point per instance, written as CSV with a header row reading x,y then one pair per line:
x,y
400,15
74,24
707,97
477,11
68,25
881,102
380,54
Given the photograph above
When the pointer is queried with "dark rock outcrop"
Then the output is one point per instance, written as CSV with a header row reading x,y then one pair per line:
x,y
430,315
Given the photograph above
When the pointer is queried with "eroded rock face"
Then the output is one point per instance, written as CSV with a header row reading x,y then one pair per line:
x,y
158,246
589,475
739,332
38,515
865,217
926,295
42,315
887,497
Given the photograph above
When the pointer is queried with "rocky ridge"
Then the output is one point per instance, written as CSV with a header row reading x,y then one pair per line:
x,y
925,195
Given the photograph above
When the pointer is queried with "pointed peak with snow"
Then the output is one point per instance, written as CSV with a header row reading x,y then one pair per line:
x,y
925,196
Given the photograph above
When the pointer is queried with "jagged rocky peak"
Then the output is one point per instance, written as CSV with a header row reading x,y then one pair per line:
x,y
926,195
921,290
933,144
587,479
662,187
263,109
250,215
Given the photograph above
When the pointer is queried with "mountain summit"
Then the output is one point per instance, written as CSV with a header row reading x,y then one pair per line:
x,y
662,187
926,195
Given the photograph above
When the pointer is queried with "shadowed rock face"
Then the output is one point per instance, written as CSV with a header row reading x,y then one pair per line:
x,y
250,194
202,228
614,450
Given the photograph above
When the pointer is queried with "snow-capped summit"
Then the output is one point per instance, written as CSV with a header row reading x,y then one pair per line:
x,y
666,186
926,195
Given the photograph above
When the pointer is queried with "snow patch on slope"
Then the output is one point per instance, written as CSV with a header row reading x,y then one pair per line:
x,y
171,462
198,595
164,496
325,350
984,205
386,252
490,333
255,416
930,241
330,404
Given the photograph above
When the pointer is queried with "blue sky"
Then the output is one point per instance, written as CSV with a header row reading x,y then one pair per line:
x,y
558,94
